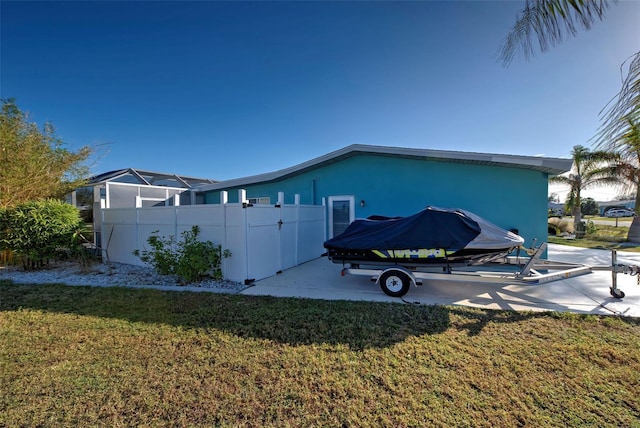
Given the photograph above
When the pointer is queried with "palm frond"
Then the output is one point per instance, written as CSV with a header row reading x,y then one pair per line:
x,y
626,143
550,21
621,116
560,179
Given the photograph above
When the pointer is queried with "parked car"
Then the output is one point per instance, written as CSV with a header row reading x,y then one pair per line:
x,y
555,212
619,213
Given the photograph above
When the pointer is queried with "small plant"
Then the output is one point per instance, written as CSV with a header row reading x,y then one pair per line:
x,y
190,259
81,252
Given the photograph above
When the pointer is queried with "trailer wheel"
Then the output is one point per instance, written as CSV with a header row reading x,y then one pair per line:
x,y
395,283
617,293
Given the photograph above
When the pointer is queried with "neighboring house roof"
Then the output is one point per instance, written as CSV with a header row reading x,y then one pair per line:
x,y
552,166
150,178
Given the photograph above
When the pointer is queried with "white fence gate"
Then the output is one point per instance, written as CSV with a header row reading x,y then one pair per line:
x,y
263,239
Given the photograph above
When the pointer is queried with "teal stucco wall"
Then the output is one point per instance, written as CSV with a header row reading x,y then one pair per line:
x,y
394,186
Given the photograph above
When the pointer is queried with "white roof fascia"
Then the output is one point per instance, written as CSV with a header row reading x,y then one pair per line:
x,y
118,174
178,178
552,166
140,177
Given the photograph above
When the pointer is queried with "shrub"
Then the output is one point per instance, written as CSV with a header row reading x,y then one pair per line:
x,y
6,255
191,260
38,232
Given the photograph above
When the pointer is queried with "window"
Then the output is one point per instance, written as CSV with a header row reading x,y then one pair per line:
x,y
261,200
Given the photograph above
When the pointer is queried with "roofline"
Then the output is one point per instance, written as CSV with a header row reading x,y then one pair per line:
x,y
111,175
551,166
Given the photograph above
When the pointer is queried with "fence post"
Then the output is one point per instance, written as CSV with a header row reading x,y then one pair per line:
x,y
175,221
138,227
297,235
224,197
324,212
103,252
242,198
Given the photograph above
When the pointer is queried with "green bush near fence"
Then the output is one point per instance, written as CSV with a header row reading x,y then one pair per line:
x,y
190,259
39,232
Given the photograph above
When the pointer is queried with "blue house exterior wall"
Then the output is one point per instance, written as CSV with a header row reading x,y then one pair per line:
x,y
510,197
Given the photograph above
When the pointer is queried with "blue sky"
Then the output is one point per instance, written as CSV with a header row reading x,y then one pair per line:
x,y
230,89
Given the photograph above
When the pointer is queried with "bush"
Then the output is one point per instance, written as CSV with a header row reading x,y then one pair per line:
x,y
191,260
38,232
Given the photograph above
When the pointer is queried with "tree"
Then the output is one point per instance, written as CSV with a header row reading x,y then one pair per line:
x,y
589,169
34,164
551,21
589,206
627,146
621,115
627,169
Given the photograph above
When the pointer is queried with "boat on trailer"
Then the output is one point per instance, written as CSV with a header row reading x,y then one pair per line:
x,y
449,244
430,237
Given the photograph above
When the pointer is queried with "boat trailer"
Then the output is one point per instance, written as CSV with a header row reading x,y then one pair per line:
x,y
395,280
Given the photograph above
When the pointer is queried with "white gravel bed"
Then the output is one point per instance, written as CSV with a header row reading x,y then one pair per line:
x,y
113,274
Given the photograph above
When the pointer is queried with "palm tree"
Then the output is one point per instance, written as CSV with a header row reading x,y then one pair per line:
x,y
622,113
589,169
551,21
626,143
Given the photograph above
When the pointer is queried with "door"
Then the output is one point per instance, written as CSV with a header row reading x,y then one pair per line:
x,y
341,214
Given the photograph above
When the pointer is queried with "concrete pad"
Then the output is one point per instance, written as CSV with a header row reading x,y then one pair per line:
x,y
321,279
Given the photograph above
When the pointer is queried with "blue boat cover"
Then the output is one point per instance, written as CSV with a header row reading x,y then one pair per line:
x,y
432,227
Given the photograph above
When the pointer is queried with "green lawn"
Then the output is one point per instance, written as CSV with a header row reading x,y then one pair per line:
x,y
601,236
89,356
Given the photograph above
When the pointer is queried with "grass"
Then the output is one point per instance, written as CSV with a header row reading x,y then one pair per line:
x,y
594,244
601,236
90,356
611,219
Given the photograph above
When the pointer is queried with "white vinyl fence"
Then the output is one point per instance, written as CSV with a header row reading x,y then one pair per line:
x,y
263,239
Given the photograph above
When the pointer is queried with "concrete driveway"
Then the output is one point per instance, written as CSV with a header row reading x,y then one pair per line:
x,y
320,279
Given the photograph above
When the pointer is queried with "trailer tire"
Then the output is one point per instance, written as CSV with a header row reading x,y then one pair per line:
x,y
618,294
395,283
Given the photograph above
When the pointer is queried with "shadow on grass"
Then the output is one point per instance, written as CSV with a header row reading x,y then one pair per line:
x,y
359,325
